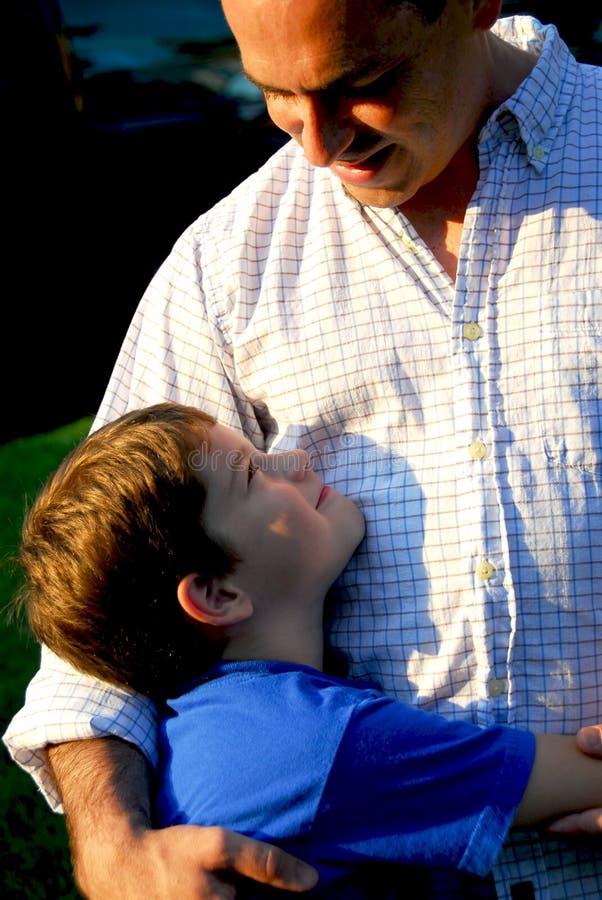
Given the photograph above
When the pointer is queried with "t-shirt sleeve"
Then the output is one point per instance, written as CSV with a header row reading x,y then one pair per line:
x,y
411,787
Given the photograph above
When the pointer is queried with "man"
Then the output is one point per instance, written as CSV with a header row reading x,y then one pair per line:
x,y
410,295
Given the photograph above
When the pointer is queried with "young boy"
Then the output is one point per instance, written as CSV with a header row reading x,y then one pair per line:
x,y
168,555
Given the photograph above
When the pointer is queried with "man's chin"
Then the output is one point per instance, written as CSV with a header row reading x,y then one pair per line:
x,y
382,198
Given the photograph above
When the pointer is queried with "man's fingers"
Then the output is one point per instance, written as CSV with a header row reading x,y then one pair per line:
x,y
589,740
588,822
271,865
260,861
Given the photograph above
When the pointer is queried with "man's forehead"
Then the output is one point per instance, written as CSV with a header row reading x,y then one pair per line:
x,y
344,22
313,51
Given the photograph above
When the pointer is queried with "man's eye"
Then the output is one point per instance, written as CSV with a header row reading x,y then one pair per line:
x,y
382,84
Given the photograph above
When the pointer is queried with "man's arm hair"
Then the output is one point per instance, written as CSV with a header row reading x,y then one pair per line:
x,y
105,788
102,780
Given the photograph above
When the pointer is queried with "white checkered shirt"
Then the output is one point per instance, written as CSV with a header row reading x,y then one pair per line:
x,y
466,420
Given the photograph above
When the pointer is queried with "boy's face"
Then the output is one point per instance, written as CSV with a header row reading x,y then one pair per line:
x,y
273,512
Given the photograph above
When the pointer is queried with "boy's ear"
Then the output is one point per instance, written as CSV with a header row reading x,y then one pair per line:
x,y
216,602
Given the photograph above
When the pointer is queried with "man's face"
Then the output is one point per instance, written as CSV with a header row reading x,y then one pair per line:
x,y
367,88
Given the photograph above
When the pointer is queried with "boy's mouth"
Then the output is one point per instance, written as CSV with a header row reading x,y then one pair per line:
x,y
323,495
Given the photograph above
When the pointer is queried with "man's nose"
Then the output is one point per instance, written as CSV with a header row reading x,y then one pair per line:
x,y
324,131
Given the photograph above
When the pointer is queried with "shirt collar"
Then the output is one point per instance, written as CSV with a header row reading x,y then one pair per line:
x,y
539,104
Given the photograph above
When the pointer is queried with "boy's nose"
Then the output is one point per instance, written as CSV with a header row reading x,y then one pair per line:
x,y
290,464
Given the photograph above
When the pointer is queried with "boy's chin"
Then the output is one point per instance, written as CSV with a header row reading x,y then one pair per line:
x,y
360,523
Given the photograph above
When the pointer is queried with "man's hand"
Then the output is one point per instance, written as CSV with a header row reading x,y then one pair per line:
x,y
185,862
589,741
116,852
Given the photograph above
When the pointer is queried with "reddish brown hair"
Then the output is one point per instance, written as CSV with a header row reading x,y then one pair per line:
x,y
105,544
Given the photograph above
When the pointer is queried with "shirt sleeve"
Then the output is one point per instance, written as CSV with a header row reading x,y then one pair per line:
x,y
409,786
174,350
62,705
176,347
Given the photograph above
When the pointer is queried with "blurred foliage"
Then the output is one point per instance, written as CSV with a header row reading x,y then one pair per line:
x,y
34,853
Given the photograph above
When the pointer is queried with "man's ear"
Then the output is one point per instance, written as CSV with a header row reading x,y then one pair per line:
x,y
216,602
486,13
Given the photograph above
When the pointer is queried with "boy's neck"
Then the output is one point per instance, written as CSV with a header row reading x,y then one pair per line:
x,y
304,652
295,635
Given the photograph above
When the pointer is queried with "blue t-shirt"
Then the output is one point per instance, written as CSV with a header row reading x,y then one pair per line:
x,y
337,773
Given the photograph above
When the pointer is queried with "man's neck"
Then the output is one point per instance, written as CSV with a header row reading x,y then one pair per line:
x,y
437,211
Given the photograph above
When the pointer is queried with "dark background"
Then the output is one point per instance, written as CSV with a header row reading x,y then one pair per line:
x,y
101,174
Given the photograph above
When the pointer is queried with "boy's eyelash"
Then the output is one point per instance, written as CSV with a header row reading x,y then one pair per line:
x,y
251,471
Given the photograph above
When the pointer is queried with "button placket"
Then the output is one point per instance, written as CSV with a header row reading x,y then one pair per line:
x,y
472,332
496,687
485,570
477,450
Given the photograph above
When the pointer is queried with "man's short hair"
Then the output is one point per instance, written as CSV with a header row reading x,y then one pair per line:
x,y
430,10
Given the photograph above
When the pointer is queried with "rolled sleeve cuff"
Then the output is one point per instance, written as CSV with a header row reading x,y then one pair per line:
x,y
63,705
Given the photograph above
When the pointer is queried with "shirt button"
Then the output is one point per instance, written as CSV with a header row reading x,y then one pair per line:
x,y
485,570
538,152
477,450
496,687
472,331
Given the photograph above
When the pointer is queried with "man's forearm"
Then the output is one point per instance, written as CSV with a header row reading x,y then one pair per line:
x,y
104,785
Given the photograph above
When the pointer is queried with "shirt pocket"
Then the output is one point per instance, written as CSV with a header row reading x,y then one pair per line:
x,y
571,386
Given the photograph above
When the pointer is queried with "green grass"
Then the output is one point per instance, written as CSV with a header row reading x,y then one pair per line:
x,y
34,853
